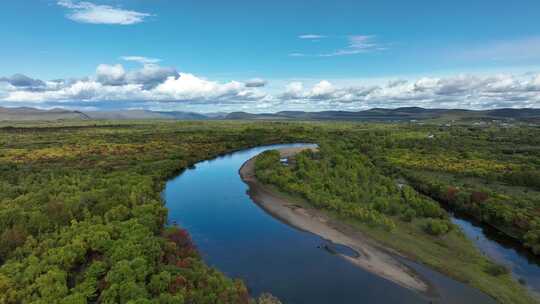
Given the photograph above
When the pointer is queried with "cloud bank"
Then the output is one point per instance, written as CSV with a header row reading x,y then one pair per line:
x,y
112,82
154,86
462,91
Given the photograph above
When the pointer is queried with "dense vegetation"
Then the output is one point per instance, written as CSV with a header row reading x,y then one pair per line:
x,y
492,174
81,217
347,183
387,181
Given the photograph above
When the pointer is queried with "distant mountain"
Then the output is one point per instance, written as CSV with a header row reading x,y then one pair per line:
x,y
398,114
36,114
145,114
250,116
375,114
516,113
216,115
22,114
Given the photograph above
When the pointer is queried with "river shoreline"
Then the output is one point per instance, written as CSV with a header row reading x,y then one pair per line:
x,y
371,256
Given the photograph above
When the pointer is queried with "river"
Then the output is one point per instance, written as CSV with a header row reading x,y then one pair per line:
x,y
524,266
237,237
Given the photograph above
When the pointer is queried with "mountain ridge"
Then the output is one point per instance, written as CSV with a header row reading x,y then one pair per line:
x,y
374,114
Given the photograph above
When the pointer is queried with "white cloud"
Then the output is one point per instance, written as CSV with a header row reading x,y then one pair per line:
x,y
357,44
150,83
294,90
311,36
191,87
110,74
322,89
141,59
149,76
88,12
535,83
461,91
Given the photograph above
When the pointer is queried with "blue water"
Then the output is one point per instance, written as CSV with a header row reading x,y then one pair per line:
x,y
523,265
240,239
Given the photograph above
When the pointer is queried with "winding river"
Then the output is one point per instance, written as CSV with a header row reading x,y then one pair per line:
x,y
237,237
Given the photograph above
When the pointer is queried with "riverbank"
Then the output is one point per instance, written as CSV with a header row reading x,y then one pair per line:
x,y
453,255
370,256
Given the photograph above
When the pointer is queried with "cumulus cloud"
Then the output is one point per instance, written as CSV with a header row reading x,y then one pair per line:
x,y
157,85
191,87
149,76
110,74
88,12
294,90
149,83
255,83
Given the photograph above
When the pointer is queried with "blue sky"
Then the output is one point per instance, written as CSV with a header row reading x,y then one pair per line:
x,y
269,55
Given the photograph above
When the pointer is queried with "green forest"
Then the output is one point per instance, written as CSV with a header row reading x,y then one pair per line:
x,y
82,219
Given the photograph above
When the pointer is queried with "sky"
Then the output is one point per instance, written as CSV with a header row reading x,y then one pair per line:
x,y
267,56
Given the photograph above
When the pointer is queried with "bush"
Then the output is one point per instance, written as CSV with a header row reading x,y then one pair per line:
x,y
532,240
497,270
408,215
266,298
437,227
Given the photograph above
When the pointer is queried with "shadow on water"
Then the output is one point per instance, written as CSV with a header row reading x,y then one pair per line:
x,y
237,237
334,248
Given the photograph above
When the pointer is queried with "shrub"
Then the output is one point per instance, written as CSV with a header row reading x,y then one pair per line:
x,y
408,215
437,227
497,270
266,298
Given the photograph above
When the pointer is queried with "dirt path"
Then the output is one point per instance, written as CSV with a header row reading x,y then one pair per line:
x,y
371,256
